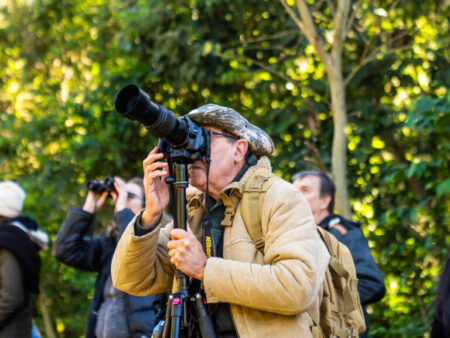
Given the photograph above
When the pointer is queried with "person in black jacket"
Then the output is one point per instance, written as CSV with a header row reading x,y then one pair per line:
x,y
319,190
112,313
440,327
20,243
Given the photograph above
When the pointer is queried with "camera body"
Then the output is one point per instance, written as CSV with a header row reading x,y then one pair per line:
x,y
193,148
101,187
181,140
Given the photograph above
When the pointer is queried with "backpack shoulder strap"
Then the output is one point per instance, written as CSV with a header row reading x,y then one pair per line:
x,y
251,204
325,239
337,265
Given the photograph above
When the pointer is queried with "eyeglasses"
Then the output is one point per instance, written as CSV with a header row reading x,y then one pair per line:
x,y
133,195
222,134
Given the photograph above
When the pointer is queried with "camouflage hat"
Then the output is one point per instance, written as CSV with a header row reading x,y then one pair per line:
x,y
232,122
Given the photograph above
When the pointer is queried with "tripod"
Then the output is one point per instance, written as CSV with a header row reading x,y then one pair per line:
x,y
177,316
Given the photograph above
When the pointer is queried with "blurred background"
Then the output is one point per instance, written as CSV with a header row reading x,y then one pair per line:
x,y
358,89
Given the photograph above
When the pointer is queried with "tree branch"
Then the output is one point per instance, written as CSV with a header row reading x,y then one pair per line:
x,y
360,31
318,4
315,153
309,29
48,325
293,15
321,17
352,18
284,56
332,8
372,56
270,37
285,78
340,29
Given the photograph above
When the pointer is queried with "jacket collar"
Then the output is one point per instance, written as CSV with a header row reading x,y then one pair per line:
x,y
263,162
196,204
331,220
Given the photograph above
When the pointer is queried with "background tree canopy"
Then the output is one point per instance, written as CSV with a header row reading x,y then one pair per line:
x,y
63,62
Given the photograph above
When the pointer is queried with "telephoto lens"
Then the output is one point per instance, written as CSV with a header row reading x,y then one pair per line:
x,y
133,103
181,139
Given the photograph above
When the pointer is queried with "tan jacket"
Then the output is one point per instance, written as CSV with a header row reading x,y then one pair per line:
x,y
268,293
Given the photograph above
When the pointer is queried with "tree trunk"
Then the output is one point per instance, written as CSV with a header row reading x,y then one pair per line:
x,y
332,61
49,331
339,148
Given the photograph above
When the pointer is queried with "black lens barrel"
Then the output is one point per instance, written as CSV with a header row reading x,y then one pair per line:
x,y
135,104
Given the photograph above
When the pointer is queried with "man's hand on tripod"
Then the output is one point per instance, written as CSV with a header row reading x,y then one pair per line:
x,y
186,253
156,189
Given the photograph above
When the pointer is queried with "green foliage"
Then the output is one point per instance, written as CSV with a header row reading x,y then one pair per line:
x,y
64,61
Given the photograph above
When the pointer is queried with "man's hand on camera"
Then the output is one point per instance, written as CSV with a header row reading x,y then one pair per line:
x,y
187,253
156,189
94,201
120,197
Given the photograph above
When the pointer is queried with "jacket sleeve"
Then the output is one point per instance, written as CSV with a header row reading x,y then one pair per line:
x,y
295,260
122,219
72,248
11,281
370,279
141,264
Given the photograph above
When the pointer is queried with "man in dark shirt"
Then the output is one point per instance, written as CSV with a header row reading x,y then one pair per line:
x,y
319,190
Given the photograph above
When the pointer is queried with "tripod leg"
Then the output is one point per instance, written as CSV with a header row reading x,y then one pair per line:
x,y
177,314
167,326
204,321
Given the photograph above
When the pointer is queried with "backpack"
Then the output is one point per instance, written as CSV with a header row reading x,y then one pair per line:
x,y
341,314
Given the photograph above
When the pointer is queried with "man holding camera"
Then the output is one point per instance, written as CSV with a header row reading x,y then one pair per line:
x,y
250,293
112,313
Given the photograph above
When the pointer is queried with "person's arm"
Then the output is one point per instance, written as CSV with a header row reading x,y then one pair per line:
x,y
370,279
295,260
122,218
122,214
72,248
120,195
141,264
11,291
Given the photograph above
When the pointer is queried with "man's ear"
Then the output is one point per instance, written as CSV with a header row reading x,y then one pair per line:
x,y
326,201
241,147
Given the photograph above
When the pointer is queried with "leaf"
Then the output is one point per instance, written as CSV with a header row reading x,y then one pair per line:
x,y
443,187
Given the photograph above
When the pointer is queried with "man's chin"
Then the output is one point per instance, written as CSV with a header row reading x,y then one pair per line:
x,y
197,182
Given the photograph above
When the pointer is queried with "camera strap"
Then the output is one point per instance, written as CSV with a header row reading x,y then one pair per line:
x,y
208,239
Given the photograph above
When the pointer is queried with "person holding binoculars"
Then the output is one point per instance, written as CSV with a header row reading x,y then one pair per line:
x,y
112,313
